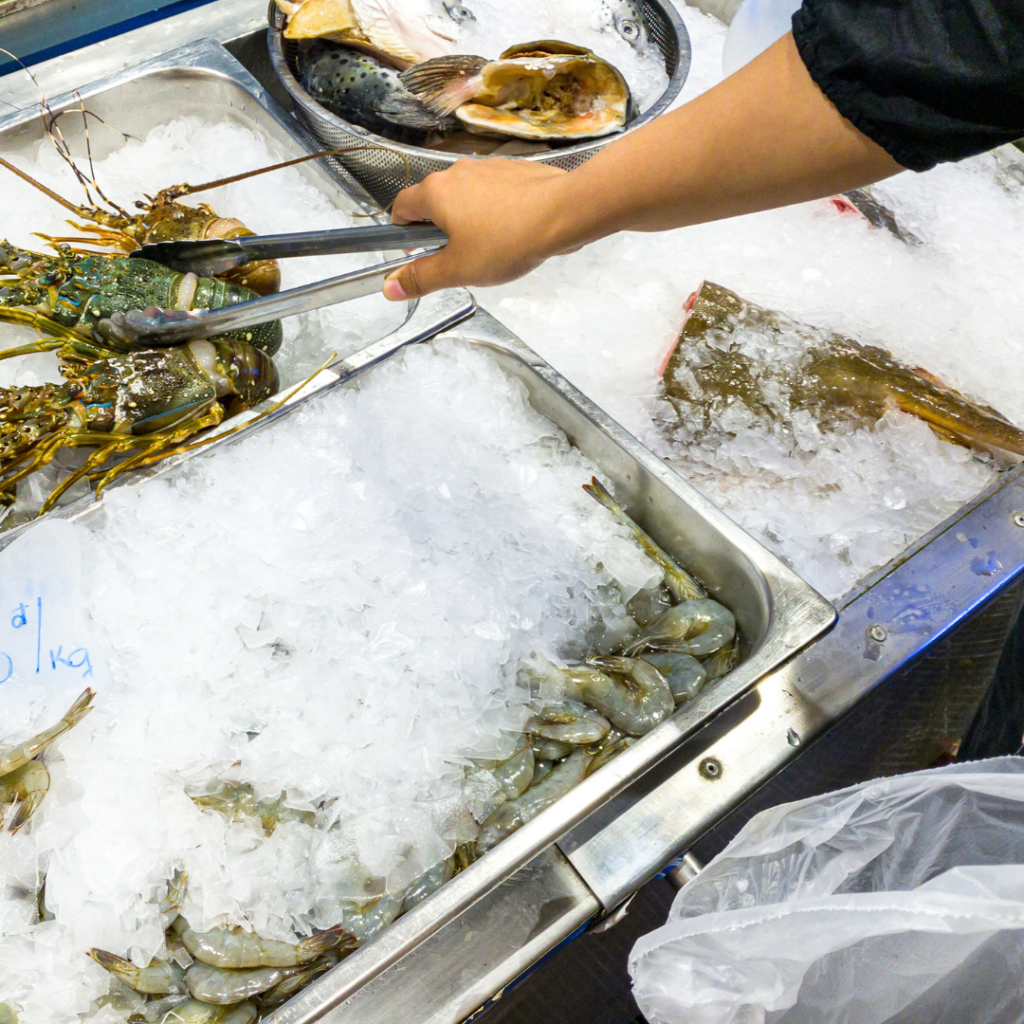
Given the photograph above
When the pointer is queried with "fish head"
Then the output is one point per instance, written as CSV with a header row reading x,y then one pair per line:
x,y
625,19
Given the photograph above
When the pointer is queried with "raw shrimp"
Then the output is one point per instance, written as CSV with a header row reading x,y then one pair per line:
x,y
722,661
515,772
22,791
611,746
550,750
16,756
194,1011
225,987
237,801
515,813
235,947
160,978
683,586
284,990
365,919
170,905
568,722
634,699
430,881
684,674
693,627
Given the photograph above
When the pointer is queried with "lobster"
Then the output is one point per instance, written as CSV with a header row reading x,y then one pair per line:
x,y
161,218
144,405
65,295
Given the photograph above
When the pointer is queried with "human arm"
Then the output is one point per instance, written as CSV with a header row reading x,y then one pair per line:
x,y
765,137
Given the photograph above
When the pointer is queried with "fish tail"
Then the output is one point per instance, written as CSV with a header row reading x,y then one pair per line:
x,y
445,83
949,413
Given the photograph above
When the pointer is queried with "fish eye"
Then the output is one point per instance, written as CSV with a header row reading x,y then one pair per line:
x,y
459,13
629,30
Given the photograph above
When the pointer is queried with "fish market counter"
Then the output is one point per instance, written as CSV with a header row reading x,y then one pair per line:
x,y
823,695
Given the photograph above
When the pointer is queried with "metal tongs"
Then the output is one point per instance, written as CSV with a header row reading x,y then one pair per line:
x,y
160,327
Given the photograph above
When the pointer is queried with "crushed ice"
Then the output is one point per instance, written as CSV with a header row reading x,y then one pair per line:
x,y
335,607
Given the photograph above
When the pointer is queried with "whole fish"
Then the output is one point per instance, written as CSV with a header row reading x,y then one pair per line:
x,y
731,351
540,90
398,32
365,92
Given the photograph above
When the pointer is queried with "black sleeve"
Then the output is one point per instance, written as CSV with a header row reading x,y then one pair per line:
x,y
928,80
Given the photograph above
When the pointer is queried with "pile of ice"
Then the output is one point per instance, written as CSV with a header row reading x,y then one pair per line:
x,y
839,506
604,26
335,607
190,150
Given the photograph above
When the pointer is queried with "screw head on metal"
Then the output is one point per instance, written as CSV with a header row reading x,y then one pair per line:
x,y
710,768
877,633
1018,519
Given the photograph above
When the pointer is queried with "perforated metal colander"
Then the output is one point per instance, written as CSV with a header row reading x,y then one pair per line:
x,y
386,170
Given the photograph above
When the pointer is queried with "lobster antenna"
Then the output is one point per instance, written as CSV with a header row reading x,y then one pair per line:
x,y
42,188
186,190
55,135
64,149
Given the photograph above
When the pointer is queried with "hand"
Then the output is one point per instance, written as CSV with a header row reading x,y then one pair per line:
x,y
502,217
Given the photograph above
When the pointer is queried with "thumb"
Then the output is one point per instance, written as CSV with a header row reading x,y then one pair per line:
x,y
416,279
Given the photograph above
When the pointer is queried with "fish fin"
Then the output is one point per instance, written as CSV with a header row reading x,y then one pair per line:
x,y
445,83
316,19
410,112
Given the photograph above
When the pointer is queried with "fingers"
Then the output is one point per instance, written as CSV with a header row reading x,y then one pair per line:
x,y
417,279
409,206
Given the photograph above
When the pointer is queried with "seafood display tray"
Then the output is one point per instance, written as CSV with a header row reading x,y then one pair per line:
x,y
809,709
203,80
385,167
777,613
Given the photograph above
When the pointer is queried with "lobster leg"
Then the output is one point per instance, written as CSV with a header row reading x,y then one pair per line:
x,y
58,333
169,441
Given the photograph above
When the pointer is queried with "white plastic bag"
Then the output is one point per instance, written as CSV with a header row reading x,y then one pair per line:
x,y
756,25
899,900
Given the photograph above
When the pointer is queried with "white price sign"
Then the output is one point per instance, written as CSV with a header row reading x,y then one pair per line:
x,y
44,634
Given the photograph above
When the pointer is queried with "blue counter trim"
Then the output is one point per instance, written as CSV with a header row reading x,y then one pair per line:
x,y
162,9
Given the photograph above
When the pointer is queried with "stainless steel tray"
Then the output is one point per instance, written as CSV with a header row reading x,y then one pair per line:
x,y
778,615
203,79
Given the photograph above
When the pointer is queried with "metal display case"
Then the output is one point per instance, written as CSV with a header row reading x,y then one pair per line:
x,y
823,696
